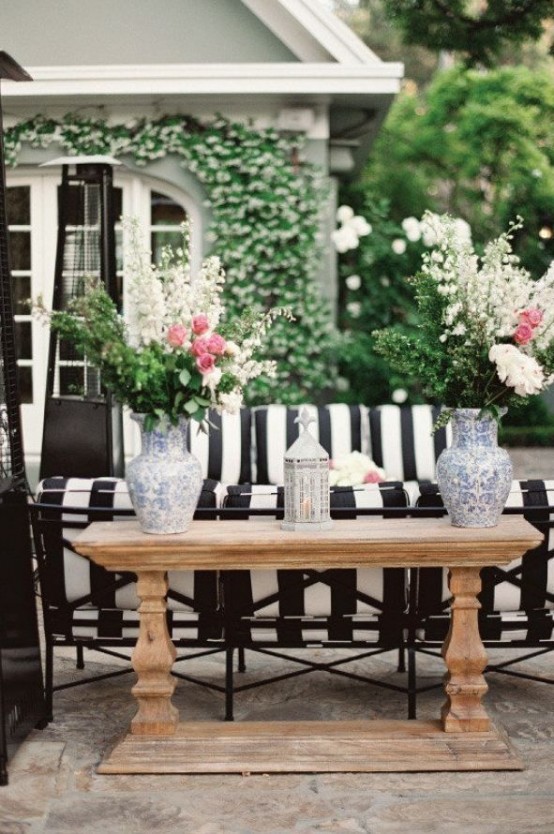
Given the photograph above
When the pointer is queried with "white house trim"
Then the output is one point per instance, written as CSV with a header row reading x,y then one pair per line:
x,y
310,31
210,79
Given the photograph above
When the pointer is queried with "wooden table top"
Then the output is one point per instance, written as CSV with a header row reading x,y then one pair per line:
x,y
261,543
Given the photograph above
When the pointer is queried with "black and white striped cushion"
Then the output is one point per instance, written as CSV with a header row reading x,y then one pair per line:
x,y
299,608
340,429
518,599
112,625
402,441
224,450
82,595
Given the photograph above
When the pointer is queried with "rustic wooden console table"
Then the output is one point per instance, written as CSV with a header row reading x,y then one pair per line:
x,y
464,737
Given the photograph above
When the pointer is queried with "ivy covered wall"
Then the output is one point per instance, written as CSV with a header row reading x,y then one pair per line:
x,y
265,205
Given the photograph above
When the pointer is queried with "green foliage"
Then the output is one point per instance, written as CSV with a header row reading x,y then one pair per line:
x,y
478,145
383,298
478,31
265,211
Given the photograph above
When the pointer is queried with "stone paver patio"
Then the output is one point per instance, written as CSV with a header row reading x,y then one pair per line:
x,y
54,788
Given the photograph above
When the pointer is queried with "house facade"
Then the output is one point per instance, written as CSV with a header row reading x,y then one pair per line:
x,y
283,65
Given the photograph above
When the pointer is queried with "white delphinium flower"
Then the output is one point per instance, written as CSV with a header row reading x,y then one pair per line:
x,y
145,297
207,288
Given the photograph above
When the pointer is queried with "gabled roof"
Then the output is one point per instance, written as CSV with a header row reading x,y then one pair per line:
x,y
311,31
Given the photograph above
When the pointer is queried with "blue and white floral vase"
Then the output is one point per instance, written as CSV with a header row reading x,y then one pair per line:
x,y
474,474
165,479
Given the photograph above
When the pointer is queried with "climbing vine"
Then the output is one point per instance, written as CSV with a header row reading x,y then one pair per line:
x,y
265,205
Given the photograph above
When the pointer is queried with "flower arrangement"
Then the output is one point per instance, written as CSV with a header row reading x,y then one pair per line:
x,y
486,336
176,354
354,469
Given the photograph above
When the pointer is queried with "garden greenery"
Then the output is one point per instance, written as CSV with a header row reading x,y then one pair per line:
x,y
265,212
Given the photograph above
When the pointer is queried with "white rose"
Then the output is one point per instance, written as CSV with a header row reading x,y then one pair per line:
x,y
344,239
398,246
399,396
360,225
344,214
517,370
412,229
353,282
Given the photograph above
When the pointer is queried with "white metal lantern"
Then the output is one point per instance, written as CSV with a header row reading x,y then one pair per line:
x,y
306,482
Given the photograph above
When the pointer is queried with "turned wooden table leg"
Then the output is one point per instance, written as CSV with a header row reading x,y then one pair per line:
x,y
153,658
465,657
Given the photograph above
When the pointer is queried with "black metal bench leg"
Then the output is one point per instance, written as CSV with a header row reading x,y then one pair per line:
x,y
49,682
80,658
241,666
401,658
412,691
229,685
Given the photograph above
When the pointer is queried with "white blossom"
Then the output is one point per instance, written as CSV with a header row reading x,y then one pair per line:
x,y
519,371
412,229
398,246
399,396
353,282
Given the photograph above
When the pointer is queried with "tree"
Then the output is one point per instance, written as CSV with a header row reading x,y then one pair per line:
x,y
478,29
478,145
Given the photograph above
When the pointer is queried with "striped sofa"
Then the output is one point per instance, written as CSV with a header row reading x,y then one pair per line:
x,y
242,461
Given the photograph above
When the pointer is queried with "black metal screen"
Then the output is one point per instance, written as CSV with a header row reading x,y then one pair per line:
x,y
82,434
12,467
22,704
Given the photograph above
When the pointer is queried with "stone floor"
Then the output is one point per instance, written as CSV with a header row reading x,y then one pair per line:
x,y
54,787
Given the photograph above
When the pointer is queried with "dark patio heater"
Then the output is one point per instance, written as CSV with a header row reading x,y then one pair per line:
x,y
83,432
22,705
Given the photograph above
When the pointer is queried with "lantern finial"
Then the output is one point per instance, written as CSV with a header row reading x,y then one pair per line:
x,y
305,419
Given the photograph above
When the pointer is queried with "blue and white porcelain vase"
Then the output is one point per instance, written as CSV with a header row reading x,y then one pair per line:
x,y
165,479
474,474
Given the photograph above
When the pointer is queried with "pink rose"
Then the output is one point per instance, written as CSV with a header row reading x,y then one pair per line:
x,y
216,344
200,324
205,363
523,334
372,478
532,317
200,346
176,335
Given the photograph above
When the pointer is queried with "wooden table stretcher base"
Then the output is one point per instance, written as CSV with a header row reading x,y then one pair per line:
x,y
311,746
